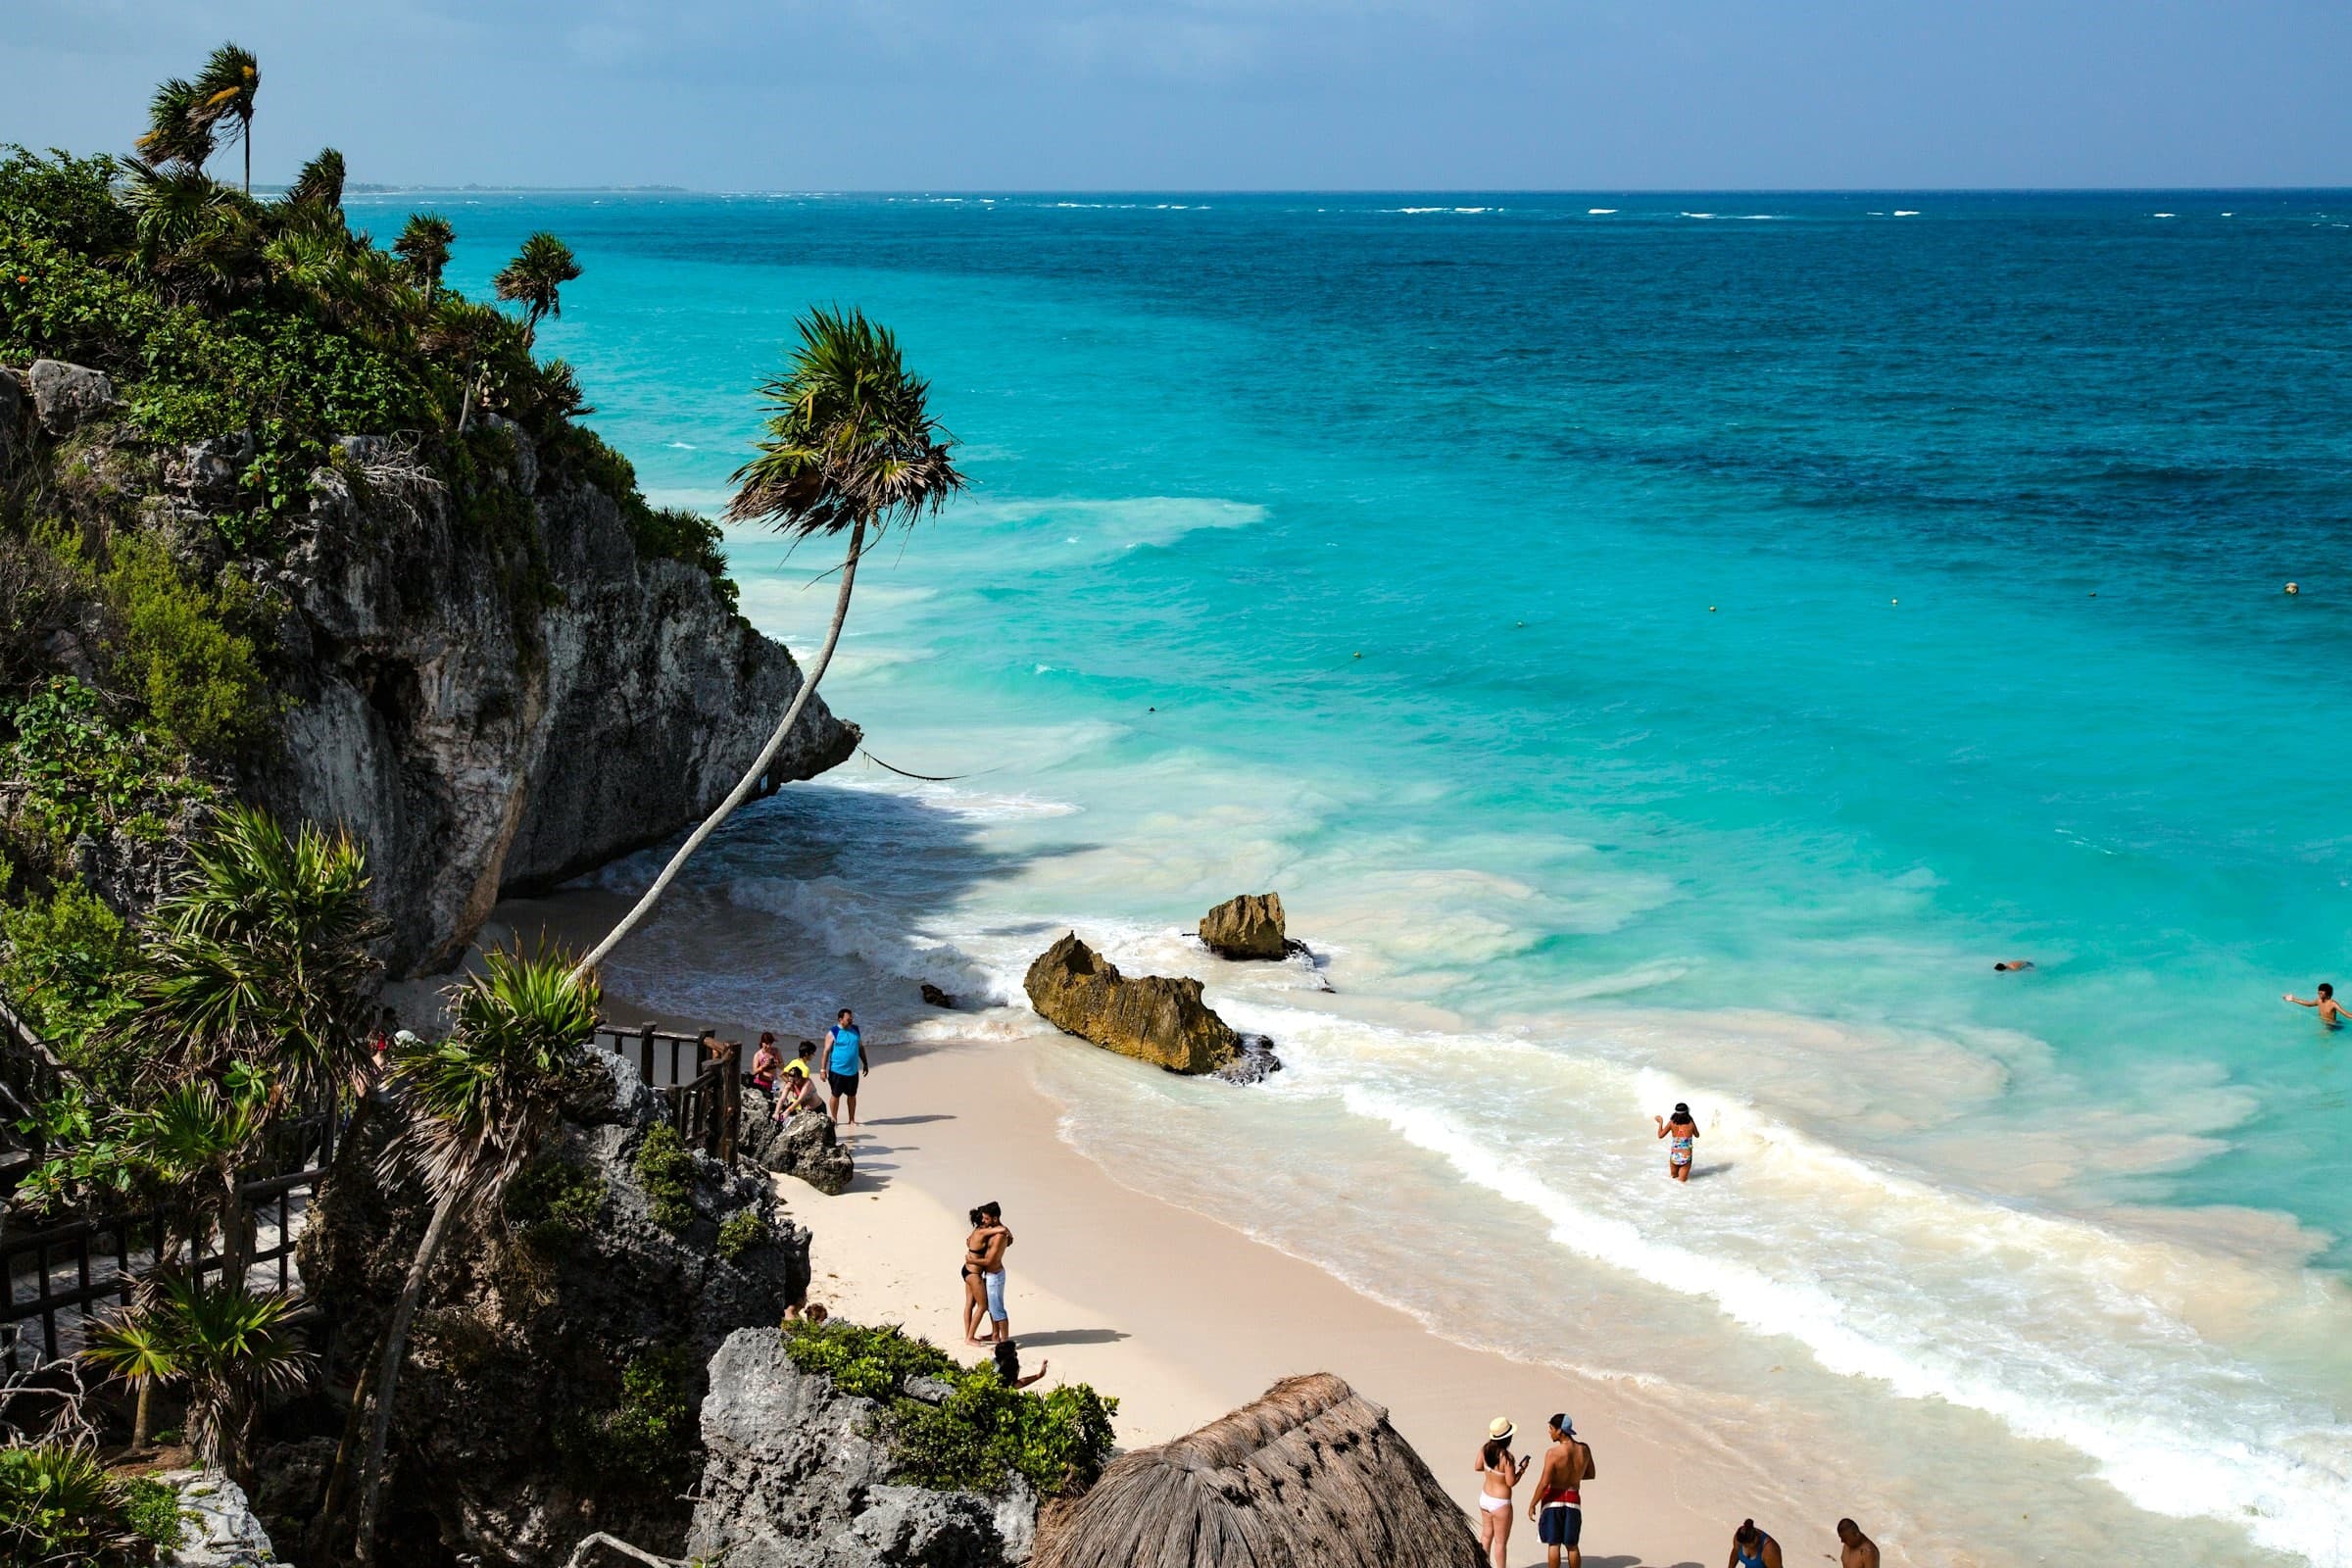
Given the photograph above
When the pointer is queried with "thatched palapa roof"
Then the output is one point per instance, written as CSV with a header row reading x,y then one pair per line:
x,y
1310,1475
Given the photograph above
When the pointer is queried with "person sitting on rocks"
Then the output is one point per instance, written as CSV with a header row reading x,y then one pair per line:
x,y
796,1088
767,1061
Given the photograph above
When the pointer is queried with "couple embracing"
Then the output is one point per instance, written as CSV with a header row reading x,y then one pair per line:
x,y
1558,1504
984,1276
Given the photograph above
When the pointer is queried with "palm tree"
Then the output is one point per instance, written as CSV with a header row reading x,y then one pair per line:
x,y
534,279
477,1103
231,1348
852,446
195,1139
134,1347
319,182
424,249
259,956
175,136
224,92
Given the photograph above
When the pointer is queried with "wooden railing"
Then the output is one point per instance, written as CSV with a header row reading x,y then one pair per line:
x,y
30,1074
704,1095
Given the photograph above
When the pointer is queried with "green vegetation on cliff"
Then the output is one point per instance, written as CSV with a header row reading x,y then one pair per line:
x,y
983,1432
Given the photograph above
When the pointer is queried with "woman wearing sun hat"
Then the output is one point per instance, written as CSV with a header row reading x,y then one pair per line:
x,y
1501,1472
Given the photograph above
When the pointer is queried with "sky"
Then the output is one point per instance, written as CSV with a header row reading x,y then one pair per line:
x,y
1231,94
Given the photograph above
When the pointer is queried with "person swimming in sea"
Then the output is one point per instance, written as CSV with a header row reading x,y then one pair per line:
x,y
2014,965
1682,1130
2331,1015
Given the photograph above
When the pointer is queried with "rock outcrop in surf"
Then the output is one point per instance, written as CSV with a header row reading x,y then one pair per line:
x,y
1152,1018
1247,927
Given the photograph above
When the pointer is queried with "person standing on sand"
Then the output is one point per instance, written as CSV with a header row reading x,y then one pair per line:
x,y
1502,1473
1557,1506
991,1272
1754,1548
975,1287
845,1062
2332,1016
1854,1549
1682,1129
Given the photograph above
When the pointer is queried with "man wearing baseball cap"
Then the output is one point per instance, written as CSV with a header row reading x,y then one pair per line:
x,y
1557,1504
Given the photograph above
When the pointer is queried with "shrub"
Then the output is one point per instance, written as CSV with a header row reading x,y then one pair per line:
x,y
178,651
85,770
665,1170
741,1233
58,1504
984,1431
65,967
555,1202
648,1438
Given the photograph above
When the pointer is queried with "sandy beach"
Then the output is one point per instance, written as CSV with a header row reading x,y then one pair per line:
x,y
1181,1317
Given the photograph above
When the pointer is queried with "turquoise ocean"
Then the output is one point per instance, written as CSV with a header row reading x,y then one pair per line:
x,y
1661,648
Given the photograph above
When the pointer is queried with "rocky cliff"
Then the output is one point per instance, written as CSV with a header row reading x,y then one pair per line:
x,y
493,715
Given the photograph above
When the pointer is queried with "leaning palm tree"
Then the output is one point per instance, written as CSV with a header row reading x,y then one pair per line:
x,y
224,92
534,279
477,1104
259,956
175,136
424,250
852,447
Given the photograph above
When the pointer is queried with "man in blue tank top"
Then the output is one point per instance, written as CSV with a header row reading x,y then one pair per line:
x,y
844,1061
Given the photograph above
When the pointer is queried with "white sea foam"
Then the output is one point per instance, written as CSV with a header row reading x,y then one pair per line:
x,y
1600,212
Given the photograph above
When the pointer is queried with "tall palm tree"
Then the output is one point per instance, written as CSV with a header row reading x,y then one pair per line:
x,y
424,249
175,136
259,956
477,1104
534,279
224,92
852,447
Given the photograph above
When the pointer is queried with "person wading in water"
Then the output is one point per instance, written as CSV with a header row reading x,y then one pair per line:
x,y
1682,1129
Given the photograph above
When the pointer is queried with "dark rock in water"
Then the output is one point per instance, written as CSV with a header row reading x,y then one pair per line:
x,y
1255,1064
1247,927
935,997
1152,1017
796,1475
806,1145
527,1328
65,395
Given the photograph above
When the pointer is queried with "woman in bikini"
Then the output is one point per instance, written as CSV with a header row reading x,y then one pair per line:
x,y
1502,1472
1682,1129
1754,1548
975,1287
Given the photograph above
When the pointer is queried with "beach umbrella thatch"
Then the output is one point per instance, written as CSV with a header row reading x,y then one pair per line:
x,y
1310,1474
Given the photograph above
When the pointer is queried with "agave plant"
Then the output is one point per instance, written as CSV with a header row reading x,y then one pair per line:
x,y
477,1104
223,98
851,447
534,279
61,1507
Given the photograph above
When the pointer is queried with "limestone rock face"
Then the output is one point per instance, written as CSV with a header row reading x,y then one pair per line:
x,y
217,1529
804,1145
523,1344
493,716
796,1477
1247,927
1152,1017
64,395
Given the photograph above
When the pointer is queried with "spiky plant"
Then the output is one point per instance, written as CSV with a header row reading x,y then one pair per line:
x,y
259,956
223,94
534,279
133,1348
477,1104
230,1347
851,447
319,182
424,250
194,1139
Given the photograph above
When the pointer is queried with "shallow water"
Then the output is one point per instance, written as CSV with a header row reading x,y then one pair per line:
x,y
1656,658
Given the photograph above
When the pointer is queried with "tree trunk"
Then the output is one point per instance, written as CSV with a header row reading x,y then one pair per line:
x,y
751,780
338,1479
139,1418
387,1374
249,157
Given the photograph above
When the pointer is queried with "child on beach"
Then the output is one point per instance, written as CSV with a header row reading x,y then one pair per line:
x,y
1682,1130
1502,1472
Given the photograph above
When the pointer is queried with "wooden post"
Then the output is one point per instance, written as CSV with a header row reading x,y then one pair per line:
x,y
646,1052
730,1102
